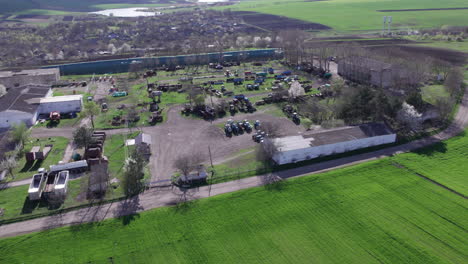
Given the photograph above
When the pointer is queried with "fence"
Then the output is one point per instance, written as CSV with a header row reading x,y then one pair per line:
x,y
230,174
123,65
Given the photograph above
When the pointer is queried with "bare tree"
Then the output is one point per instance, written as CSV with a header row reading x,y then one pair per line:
x,y
454,83
271,128
9,164
445,107
266,151
98,180
188,162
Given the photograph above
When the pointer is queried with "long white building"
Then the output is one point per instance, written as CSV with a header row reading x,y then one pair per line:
x,y
62,104
324,143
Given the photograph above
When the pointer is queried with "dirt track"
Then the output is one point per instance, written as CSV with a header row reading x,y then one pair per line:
x,y
157,198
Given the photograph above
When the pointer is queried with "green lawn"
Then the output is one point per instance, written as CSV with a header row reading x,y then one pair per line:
x,y
114,150
350,15
370,213
27,169
431,93
16,204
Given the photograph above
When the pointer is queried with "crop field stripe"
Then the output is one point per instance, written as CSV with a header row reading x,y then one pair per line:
x,y
431,180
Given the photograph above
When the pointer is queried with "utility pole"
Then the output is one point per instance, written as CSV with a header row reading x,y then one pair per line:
x,y
384,22
389,25
212,170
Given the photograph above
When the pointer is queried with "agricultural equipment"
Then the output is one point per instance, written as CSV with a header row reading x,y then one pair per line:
x,y
257,124
104,107
295,118
238,81
235,129
187,109
228,130
54,116
155,117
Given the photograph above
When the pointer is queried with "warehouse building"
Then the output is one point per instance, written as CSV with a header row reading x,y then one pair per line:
x,y
12,79
299,148
20,104
63,104
374,72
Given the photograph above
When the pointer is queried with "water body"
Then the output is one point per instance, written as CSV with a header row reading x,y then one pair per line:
x,y
212,1
125,12
137,11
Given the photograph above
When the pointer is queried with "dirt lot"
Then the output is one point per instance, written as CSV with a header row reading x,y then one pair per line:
x,y
180,135
274,23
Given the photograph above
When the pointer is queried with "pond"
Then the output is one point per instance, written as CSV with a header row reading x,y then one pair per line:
x,y
125,12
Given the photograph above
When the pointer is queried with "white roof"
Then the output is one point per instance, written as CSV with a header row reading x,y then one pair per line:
x,y
65,98
130,142
143,138
291,143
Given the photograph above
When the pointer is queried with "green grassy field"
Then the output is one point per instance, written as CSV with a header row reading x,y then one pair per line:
x,y
350,15
443,162
377,212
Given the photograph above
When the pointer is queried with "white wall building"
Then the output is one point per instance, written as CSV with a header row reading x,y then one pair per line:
x,y
20,105
63,104
299,148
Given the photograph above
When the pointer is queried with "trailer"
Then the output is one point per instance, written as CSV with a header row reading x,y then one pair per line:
x,y
72,167
61,182
36,186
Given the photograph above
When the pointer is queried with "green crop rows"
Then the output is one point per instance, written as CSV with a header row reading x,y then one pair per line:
x,y
381,211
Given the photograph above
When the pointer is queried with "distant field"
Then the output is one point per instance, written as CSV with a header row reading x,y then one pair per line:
x,y
377,212
354,15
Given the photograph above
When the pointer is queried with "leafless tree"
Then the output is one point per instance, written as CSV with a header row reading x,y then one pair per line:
x,y
271,128
445,107
188,162
441,68
454,83
266,151
98,180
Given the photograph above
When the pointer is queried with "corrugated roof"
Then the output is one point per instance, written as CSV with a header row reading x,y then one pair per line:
x,y
29,72
19,99
332,136
65,98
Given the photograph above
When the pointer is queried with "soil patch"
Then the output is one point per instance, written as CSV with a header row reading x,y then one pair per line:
x,y
272,22
360,42
26,16
426,9
455,57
